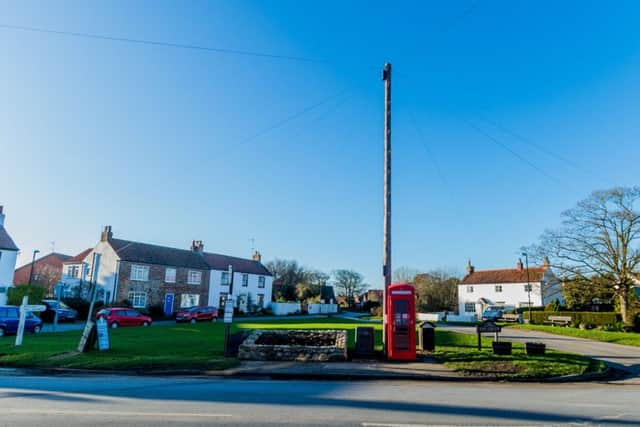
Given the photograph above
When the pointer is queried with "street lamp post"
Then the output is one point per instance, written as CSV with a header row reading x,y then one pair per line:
x,y
33,261
526,260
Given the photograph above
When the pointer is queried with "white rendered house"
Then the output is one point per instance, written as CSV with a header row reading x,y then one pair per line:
x,y
8,258
514,287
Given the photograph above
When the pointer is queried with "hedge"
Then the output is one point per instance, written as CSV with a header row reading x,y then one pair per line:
x,y
577,317
34,292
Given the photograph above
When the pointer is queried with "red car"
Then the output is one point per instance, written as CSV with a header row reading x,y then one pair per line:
x,y
197,314
117,316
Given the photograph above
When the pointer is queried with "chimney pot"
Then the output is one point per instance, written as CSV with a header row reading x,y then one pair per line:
x,y
106,234
257,256
546,261
197,246
520,265
470,268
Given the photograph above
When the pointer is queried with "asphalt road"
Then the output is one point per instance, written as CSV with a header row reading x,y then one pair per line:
x,y
616,355
145,401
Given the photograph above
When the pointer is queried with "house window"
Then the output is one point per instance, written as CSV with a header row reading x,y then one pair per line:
x,y
3,289
498,288
139,272
224,279
528,287
470,291
170,275
260,301
469,307
73,270
138,299
194,277
261,282
245,280
189,300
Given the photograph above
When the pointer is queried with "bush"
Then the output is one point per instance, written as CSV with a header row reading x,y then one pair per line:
x,y
577,317
81,305
156,312
34,292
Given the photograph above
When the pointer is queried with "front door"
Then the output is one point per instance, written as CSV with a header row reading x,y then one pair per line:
x,y
168,304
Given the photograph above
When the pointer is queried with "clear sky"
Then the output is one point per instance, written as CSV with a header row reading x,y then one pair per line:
x,y
505,113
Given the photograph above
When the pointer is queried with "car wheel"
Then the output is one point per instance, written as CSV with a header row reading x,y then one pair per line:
x,y
193,321
145,323
37,329
114,325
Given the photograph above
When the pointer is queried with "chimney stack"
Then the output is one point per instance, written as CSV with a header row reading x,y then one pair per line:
x,y
1,216
470,268
520,265
257,256
546,262
106,234
197,246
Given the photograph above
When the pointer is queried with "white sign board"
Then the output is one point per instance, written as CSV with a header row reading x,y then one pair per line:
x,y
228,311
103,335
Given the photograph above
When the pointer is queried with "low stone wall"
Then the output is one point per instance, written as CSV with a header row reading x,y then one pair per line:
x,y
250,350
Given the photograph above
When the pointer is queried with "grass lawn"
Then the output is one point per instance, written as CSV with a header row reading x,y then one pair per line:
x,y
460,353
626,338
200,346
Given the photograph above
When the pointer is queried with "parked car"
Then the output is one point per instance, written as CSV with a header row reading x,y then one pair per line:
x,y
10,317
492,313
197,314
122,316
65,313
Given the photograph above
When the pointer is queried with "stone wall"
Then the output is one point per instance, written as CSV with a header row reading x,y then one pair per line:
x,y
337,352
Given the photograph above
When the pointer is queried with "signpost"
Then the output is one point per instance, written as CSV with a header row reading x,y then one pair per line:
x,y
88,338
24,309
228,313
487,327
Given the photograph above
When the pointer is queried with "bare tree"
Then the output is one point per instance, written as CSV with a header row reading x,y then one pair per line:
x,y
47,276
404,274
598,239
349,283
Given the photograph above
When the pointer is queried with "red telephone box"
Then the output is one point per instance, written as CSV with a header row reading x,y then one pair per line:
x,y
401,322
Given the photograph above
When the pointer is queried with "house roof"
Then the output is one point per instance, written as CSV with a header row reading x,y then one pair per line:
x,y
508,275
53,260
6,242
162,255
78,258
240,265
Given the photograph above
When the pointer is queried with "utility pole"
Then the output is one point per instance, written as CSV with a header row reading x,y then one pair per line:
x,y
33,263
386,263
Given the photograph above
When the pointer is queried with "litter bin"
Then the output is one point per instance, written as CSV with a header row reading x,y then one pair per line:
x,y
364,341
427,336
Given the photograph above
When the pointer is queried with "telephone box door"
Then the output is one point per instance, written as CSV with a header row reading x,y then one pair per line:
x,y
401,323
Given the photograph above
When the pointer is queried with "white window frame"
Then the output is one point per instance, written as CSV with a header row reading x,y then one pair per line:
x,y
167,277
223,276
137,299
469,289
261,281
139,273
245,280
260,303
469,304
73,271
498,288
189,300
194,277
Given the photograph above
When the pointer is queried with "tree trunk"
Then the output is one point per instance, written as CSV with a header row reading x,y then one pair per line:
x,y
627,318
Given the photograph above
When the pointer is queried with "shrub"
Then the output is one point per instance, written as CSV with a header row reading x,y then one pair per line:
x,y
34,292
577,317
155,311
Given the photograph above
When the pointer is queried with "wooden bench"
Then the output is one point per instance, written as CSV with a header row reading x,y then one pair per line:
x,y
558,320
510,318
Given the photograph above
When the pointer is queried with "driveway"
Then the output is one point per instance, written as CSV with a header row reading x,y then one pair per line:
x,y
618,356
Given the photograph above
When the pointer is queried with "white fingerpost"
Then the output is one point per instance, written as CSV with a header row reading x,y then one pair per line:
x,y
23,318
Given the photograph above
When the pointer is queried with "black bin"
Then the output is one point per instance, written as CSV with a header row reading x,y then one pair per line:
x,y
364,341
427,336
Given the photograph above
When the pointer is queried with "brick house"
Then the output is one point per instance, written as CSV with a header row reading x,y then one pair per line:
x,y
149,275
47,271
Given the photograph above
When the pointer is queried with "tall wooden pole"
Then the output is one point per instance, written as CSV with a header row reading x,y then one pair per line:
x,y
386,263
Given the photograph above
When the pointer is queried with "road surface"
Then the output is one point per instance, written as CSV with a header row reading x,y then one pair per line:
x,y
69,401
620,356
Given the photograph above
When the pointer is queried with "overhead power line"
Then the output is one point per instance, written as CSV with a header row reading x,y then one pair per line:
x,y
510,150
430,153
160,43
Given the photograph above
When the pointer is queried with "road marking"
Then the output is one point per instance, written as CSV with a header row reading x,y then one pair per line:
x,y
111,413
437,425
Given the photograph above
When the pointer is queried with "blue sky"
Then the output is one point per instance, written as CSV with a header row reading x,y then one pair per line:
x,y
169,145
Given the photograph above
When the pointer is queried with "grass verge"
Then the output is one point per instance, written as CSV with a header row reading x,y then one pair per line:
x,y
625,338
201,346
